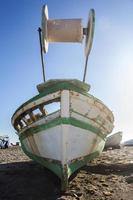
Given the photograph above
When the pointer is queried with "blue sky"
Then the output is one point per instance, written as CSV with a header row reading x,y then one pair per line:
x,y
109,67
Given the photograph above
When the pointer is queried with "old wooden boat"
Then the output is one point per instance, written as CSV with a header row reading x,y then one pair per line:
x,y
68,138
114,140
64,126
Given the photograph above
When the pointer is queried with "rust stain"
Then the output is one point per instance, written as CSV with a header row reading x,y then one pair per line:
x,y
94,144
33,145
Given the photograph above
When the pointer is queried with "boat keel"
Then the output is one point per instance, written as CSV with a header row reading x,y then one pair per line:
x,y
64,180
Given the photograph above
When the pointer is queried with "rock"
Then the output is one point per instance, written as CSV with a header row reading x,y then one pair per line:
x,y
79,194
107,193
105,184
91,191
61,198
102,180
82,176
129,179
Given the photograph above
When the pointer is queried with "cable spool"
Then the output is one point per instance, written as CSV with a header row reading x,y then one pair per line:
x,y
89,32
67,30
60,30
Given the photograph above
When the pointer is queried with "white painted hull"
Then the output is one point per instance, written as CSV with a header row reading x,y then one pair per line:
x,y
113,140
66,139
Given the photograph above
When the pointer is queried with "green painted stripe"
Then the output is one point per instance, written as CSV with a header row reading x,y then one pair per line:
x,y
48,84
56,167
50,90
53,166
55,88
58,121
76,164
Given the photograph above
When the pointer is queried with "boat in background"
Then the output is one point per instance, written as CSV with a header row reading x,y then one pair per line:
x,y
64,126
128,143
113,140
4,141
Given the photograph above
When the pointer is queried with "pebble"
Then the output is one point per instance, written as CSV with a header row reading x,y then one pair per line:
x,y
105,184
129,179
106,193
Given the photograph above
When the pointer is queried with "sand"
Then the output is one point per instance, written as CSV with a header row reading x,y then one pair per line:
x,y
109,177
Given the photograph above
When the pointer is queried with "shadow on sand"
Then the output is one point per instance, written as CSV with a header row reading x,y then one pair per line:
x,y
106,169
28,181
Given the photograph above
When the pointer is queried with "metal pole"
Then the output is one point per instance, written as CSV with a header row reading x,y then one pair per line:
x,y
41,52
85,32
85,70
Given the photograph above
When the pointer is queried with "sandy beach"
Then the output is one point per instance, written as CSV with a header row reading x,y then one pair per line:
x,y
108,177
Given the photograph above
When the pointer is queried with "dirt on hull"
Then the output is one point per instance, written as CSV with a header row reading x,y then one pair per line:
x,y
109,177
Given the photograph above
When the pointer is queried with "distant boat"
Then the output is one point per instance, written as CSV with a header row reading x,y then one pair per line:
x,y
4,142
128,143
114,140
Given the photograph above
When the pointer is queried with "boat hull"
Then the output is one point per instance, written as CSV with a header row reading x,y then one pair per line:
x,y
68,138
63,148
114,140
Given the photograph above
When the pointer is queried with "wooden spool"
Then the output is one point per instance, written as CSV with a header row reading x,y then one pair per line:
x,y
67,30
60,30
